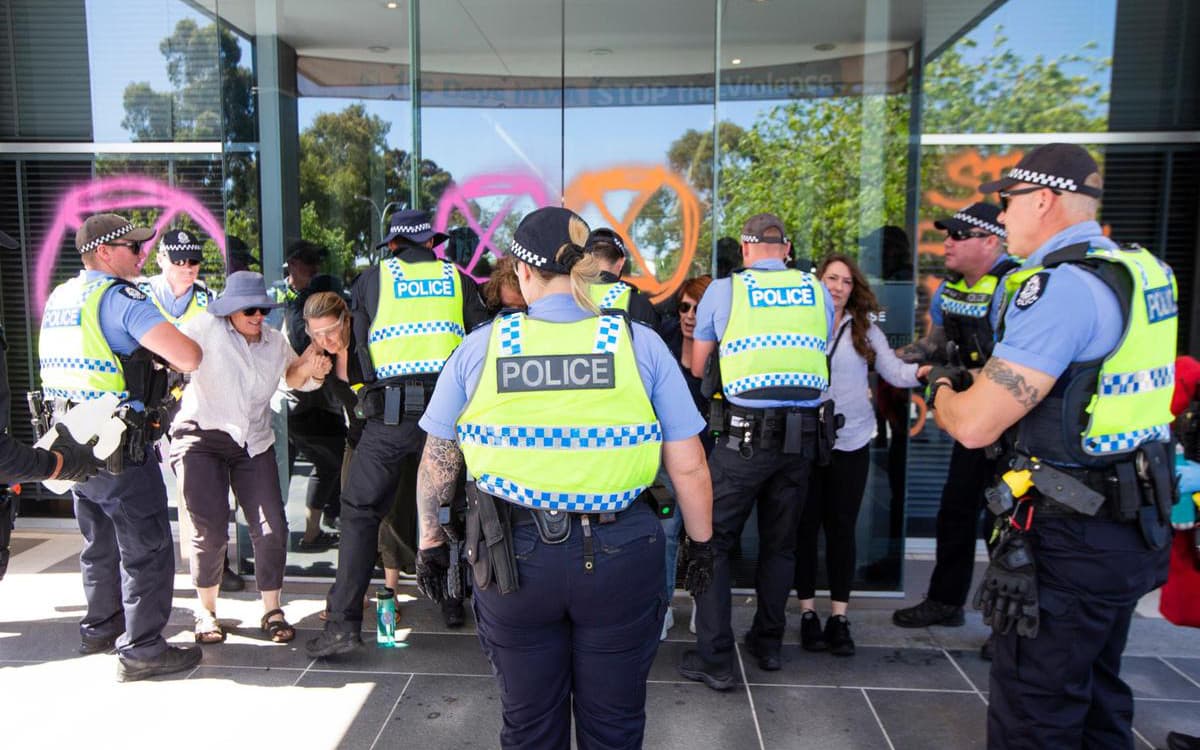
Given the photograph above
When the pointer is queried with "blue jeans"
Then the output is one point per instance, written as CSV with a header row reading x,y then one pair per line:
x,y
570,640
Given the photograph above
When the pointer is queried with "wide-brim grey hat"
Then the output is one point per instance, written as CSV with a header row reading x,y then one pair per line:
x,y
242,289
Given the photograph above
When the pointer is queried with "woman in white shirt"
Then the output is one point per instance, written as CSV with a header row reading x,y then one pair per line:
x,y
222,438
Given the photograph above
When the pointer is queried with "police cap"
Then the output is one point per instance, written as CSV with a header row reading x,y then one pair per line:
x,y
101,229
983,216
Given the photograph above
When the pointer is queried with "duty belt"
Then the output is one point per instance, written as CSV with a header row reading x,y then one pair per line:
x,y
391,402
766,429
554,527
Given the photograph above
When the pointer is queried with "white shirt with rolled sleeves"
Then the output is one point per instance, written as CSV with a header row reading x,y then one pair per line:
x,y
664,382
231,390
848,386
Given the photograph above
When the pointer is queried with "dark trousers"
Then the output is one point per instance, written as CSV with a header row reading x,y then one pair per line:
x,y
835,495
1063,688
971,472
568,640
779,482
209,462
398,532
324,452
370,488
128,563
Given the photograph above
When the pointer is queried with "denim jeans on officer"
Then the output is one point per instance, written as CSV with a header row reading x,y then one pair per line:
x,y
569,640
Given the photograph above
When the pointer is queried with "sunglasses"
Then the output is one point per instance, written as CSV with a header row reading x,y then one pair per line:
x,y
685,307
252,311
191,262
1006,194
136,247
959,235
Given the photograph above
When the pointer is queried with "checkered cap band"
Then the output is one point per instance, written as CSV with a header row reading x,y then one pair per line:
x,y
613,294
530,257
192,247
410,228
423,328
82,395
571,502
106,238
975,221
413,367
560,438
773,341
1123,442
753,239
1041,178
1142,381
776,380
85,364
964,309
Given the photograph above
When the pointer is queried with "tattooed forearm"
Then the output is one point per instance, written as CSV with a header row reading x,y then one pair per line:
x,y
1002,375
436,478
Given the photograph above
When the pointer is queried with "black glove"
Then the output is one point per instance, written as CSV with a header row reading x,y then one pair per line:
x,y
1007,596
78,461
699,571
959,377
432,566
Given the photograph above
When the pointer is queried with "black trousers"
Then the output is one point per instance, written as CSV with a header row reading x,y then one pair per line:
x,y
971,472
1063,688
324,452
834,498
780,483
370,490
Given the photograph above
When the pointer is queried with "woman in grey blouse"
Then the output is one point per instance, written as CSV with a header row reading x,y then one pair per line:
x,y
222,438
837,489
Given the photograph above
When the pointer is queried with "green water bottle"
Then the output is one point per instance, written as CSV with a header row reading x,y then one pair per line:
x,y
385,618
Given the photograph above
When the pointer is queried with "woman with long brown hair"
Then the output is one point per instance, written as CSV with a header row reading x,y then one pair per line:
x,y
837,489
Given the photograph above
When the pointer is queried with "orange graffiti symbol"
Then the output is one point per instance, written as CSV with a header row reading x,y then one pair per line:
x,y
644,182
966,169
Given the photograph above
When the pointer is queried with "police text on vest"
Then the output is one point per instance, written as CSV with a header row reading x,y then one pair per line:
x,y
560,372
405,288
787,296
1160,304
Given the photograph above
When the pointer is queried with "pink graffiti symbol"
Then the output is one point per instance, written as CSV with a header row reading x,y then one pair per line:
x,y
484,186
116,194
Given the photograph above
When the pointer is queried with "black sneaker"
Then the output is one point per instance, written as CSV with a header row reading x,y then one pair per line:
x,y
231,581
695,668
453,614
333,643
174,659
927,613
837,635
811,637
768,657
93,644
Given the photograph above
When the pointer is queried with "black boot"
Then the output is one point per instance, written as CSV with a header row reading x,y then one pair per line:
x,y
174,659
927,613
811,637
837,635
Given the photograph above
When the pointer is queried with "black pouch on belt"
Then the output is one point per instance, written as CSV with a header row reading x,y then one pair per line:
x,y
481,564
1159,492
554,526
497,537
391,405
414,399
793,433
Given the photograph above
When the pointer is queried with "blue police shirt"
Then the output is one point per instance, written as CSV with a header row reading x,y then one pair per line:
x,y
712,316
176,306
664,382
935,305
126,315
1074,317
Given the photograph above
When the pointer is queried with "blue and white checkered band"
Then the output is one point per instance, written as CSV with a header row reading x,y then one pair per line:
x,y
530,257
608,331
1041,178
422,328
965,309
201,297
1127,383
574,502
510,334
83,395
410,228
773,341
1123,442
105,238
397,269
752,239
414,367
777,380
613,294
975,221
560,438
194,248
79,363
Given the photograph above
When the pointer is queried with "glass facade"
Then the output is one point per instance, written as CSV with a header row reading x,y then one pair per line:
x,y
670,120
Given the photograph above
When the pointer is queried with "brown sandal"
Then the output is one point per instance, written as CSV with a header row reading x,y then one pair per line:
x,y
279,630
208,630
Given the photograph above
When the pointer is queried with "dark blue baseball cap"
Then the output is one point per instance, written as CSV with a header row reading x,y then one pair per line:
x,y
983,216
541,234
605,236
182,245
413,225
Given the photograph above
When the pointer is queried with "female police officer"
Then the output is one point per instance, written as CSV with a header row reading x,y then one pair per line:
x,y
561,416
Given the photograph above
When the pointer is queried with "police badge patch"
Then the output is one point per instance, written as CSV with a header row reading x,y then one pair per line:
x,y
1032,290
133,293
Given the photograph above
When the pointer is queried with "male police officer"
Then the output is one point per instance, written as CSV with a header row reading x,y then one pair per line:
x,y
97,332
66,459
962,312
1082,372
608,248
772,324
177,291
409,313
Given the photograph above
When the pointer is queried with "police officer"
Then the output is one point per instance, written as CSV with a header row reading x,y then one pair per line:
x,y
1082,373
962,311
177,291
98,331
772,324
561,416
66,459
409,313
608,248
